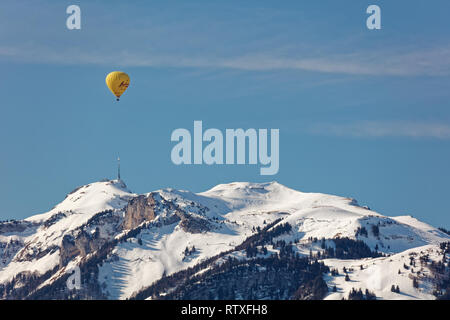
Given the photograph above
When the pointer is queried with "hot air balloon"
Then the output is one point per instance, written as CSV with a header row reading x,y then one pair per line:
x,y
117,82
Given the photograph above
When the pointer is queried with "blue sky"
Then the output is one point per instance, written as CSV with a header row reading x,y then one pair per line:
x,y
363,114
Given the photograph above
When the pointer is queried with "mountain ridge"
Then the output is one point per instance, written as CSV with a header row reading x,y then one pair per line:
x,y
136,240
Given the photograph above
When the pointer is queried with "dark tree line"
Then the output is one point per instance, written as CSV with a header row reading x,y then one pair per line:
x,y
284,276
346,248
359,295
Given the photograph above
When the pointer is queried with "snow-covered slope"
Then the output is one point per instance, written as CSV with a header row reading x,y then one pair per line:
x,y
90,199
320,215
137,239
44,232
379,274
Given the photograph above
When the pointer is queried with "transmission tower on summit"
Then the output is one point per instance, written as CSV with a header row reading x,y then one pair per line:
x,y
118,168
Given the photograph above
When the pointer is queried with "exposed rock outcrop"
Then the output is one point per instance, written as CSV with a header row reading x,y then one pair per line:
x,y
193,224
138,210
69,249
81,245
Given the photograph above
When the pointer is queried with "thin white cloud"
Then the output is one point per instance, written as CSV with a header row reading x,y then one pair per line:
x,y
379,129
237,37
432,62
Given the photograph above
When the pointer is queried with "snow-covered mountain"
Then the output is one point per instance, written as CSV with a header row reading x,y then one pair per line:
x,y
155,245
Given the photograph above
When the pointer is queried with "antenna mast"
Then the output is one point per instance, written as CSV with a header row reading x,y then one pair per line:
x,y
118,168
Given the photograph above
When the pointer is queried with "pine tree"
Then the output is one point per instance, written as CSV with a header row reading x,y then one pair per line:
x,y
415,283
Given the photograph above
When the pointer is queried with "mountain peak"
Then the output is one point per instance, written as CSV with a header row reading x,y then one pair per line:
x,y
252,189
166,231
91,198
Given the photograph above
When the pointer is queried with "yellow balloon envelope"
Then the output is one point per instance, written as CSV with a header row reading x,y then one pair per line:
x,y
117,82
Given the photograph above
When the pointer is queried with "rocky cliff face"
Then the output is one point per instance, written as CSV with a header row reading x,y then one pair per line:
x,y
138,210
193,224
82,244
